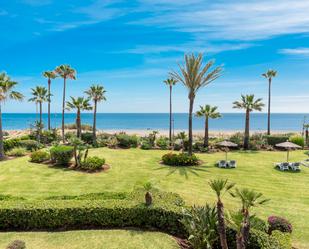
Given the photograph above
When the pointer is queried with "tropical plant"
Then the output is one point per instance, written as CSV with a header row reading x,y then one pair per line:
x,y
208,112
194,76
170,82
270,74
201,226
148,196
40,95
80,104
65,72
97,94
49,75
78,150
220,187
6,93
249,198
249,104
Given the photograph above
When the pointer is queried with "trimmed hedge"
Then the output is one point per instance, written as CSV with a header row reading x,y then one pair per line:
x,y
182,159
276,139
61,154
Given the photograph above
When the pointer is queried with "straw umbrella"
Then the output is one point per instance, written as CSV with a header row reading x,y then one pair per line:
x,y
227,145
288,146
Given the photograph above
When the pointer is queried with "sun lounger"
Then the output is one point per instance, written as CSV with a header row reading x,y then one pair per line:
x,y
222,164
285,166
232,164
295,166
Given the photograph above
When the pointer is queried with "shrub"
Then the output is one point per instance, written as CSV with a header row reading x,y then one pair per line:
x,y
199,146
39,156
87,137
279,223
30,145
276,139
299,140
85,127
182,159
17,244
201,226
112,142
17,151
283,239
146,145
162,142
92,163
61,154
237,138
258,224
9,144
127,141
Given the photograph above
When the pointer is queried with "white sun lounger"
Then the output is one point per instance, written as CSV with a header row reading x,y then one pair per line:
x,y
222,164
295,166
232,164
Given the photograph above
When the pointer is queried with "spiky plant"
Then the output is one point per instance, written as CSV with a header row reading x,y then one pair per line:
x,y
148,196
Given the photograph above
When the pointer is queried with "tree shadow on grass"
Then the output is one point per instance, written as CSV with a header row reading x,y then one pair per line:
x,y
184,170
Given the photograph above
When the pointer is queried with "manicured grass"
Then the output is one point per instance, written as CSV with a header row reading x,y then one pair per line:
x,y
91,239
289,192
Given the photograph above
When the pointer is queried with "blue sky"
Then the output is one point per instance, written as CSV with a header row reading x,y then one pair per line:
x,y
130,46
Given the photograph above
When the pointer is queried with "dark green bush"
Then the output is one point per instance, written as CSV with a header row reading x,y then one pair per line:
x,y
182,159
30,145
87,137
17,244
39,156
61,154
92,163
9,144
276,139
299,140
92,196
146,145
127,141
162,142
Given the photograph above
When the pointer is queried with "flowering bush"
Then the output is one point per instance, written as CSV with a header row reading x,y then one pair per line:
x,y
279,223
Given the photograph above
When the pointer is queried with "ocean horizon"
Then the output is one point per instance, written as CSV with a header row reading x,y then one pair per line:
x,y
160,121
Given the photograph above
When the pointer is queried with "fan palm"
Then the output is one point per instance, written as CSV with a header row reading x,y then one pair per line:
x,y
220,187
194,75
80,104
6,93
65,72
208,112
49,75
170,83
249,198
97,94
249,104
270,74
40,95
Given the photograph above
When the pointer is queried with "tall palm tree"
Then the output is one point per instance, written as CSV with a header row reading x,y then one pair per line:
x,y
65,72
249,104
97,94
80,104
49,75
270,74
170,82
194,75
249,198
220,187
6,93
40,95
208,112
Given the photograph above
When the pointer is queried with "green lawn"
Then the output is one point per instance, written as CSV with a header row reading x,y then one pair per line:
x,y
91,239
289,192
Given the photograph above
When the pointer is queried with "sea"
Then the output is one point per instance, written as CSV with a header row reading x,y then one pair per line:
x,y
160,121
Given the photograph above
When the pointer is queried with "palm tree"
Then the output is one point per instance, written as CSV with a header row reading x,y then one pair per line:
x,y
97,94
40,95
208,112
49,75
270,74
80,104
65,72
248,103
6,93
194,75
170,82
220,187
249,198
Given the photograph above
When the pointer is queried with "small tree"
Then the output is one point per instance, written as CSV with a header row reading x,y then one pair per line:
x,y
79,148
148,196
220,187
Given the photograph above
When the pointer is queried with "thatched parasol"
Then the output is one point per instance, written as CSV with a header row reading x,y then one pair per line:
x,y
226,145
288,146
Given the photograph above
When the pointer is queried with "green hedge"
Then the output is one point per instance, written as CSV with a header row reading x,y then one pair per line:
x,y
9,144
276,139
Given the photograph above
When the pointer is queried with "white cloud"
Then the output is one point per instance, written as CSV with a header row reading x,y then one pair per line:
x,y
295,51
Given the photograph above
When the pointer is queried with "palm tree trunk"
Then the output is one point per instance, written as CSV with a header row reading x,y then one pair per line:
x,y
247,135
170,131
246,227
1,137
63,108
49,81
40,124
221,225
40,112
78,124
269,99
191,98
206,137
94,127
239,241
